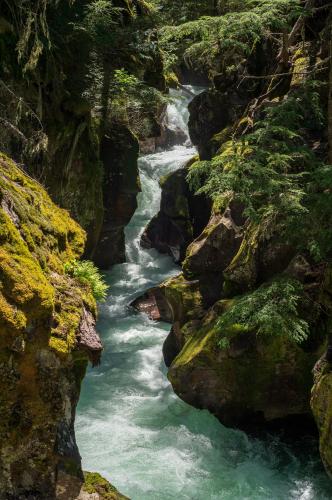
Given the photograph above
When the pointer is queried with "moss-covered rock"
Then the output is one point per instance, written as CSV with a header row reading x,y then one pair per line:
x,y
90,487
95,483
209,255
176,300
42,354
321,404
251,379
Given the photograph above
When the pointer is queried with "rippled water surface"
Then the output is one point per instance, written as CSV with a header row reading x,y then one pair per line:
x,y
134,430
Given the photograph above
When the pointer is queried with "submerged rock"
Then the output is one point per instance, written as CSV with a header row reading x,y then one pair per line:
x,y
47,322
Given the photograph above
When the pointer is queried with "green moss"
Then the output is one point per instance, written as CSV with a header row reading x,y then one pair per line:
x,y
301,63
95,483
172,80
247,374
36,239
321,404
223,136
184,298
242,269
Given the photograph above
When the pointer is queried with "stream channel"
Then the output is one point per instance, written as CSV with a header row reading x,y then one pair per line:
x,y
133,429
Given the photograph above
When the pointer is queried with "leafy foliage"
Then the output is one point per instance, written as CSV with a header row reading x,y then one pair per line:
x,y
123,46
272,309
209,42
275,173
177,12
88,274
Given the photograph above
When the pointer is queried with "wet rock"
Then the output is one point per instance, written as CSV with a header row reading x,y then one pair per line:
x,y
209,255
181,218
119,154
148,305
250,379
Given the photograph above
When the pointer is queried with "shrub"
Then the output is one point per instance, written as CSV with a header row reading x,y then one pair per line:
x,y
87,273
272,309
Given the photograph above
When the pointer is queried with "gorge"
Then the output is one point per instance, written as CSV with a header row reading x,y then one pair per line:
x,y
165,249
129,418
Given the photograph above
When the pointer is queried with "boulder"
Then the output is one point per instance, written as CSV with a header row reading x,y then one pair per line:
x,y
209,254
119,154
176,300
181,218
242,378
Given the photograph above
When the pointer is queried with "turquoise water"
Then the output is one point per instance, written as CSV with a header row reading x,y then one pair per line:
x,y
130,425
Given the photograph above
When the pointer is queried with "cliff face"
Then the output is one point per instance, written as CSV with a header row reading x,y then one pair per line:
x,y
47,336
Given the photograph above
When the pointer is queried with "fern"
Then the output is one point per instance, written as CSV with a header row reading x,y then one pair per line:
x,y
88,274
272,310
275,174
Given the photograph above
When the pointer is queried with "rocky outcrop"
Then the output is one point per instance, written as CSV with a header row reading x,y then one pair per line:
x,y
321,404
92,487
237,374
253,379
210,113
119,154
181,218
210,254
48,335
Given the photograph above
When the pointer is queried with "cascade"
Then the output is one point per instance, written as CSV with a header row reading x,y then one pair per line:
x,y
130,425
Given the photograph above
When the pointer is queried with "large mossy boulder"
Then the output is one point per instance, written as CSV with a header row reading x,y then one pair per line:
x,y
241,377
321,404
47,323
213,250
176,300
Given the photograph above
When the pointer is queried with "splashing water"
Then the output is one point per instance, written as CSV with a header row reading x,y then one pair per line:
x,y
130,425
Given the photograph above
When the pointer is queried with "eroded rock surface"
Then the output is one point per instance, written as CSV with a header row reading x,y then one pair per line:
x,y
119,153
181,218
253,379
47,322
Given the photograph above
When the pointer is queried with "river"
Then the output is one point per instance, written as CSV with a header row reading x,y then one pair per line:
x,y
130,425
